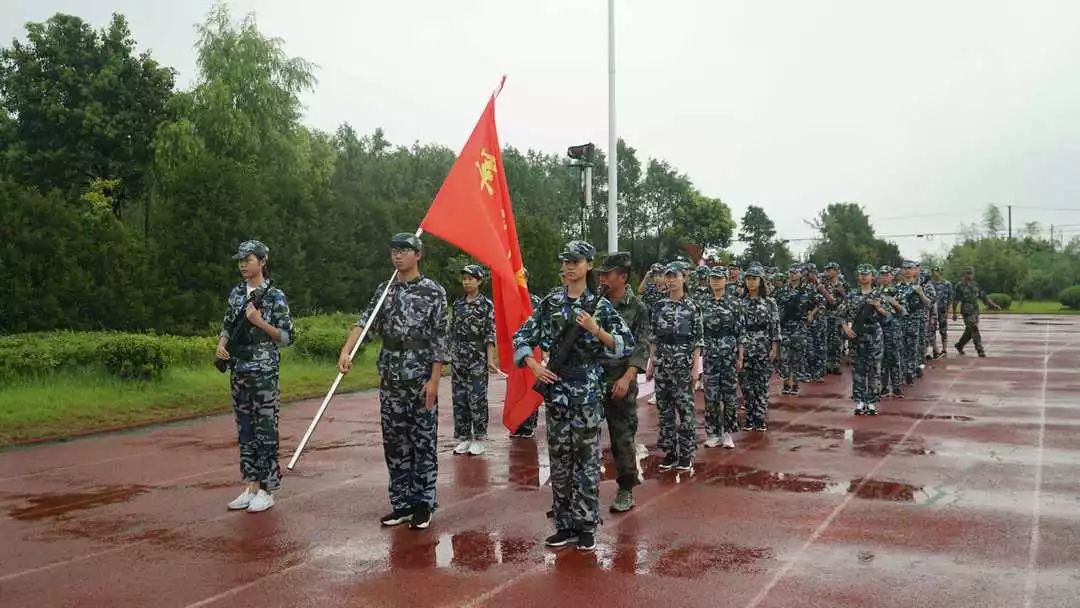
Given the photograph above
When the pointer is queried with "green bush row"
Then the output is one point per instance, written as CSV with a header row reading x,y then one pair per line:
x,y
1070,297
1003,300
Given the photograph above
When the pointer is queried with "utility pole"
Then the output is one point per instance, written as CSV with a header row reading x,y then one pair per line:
x,y
1010,223
1051,238
613,141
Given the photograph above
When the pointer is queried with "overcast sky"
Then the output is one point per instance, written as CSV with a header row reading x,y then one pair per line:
x,y
909,108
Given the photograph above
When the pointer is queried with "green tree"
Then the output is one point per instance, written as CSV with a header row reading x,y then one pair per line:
x,y
759,234
80,106
992,220
847,237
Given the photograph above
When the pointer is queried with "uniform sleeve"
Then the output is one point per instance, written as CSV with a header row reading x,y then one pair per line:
x,y
281,318
982,296
370,309
611,322
639,357
740,324
698,338
490,337
440,331
529,336
231,313
774,320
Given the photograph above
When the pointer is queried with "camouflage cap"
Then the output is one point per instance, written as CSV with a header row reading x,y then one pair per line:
x,y
620,260
474,270
577,250
969,269
657,267
795,269
810,267
755,271
717,271
674,268
734,265
251,247
885,269
403,240
907,264
832,266
866,269
702,271
937,268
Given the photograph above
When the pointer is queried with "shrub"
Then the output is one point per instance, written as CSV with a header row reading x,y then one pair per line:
x,y
1003,300
132,357
1070,297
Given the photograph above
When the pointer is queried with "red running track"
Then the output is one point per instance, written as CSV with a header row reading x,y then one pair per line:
x,y
964,494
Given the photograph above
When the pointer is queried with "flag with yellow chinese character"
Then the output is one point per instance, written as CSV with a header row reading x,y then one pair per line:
x,y
472,211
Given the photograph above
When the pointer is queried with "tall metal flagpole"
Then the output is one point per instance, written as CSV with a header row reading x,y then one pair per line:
x,y
333,387
613,141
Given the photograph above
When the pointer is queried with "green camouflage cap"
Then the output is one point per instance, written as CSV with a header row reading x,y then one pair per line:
x,y
886,269
251,247
795,269
657,267
907,264
620,260
717,271
969,269
404,239
866,269
937,268
474,270
675,267
577,250
832,266
809,267
755,271
702,271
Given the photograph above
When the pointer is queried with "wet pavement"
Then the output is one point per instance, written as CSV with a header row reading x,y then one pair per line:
x,y
965,493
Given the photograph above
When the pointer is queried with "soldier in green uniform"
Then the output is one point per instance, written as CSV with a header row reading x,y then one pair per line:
x,y
620,377
968,295
943,290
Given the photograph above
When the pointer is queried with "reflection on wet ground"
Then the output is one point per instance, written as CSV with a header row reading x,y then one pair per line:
x,y
860,442
480,550
61,503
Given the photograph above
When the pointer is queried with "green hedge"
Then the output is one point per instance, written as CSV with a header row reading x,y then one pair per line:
x,y
1003,300
1070,297
131,357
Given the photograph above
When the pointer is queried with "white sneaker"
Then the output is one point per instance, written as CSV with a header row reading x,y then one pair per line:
x,y
262,501
242,501
462,447
476,448
728,442
652,400
712,441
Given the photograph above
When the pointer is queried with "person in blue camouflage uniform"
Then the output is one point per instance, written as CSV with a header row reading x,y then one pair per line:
x,y
911,297
892,375
943,297
759,345
864,309
837,289
734,280
413,327
652,290
927,315
701,291
795,303
527,429
472,357
721,324
575,398
813,369
677,332
254,360
620,377
967,294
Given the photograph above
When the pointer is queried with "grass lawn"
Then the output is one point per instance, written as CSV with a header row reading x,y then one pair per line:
x,y
1035,307
78,402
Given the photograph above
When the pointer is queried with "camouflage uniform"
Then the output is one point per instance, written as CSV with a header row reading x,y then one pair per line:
x,y
575,403
677,329
909,327
816,346
925,316
792,303
412,325
621,414
721,325
968,296
760,329
868,343
892,374
254,381
529,426
943,290
834,337
472,329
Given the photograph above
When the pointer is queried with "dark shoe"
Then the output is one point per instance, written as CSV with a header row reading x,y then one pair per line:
x,y
819,380
624,501
586,541
685,464
936,355
522,434
669,462
982,354
884,392
918,372
396,517
561,538
959,349
421,517
871,409
897,393
909,379
930,357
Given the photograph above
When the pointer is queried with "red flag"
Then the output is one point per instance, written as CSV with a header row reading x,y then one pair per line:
x,y
472,211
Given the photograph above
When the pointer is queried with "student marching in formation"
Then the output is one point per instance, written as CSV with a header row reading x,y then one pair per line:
x,y
722,326
759,347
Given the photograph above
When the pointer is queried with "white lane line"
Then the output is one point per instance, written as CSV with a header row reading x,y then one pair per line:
x,y
79,464
824,525
1036,506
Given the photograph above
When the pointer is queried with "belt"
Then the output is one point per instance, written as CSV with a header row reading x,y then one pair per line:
x,y
673,340
574,372
717,334
757,327
394,344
